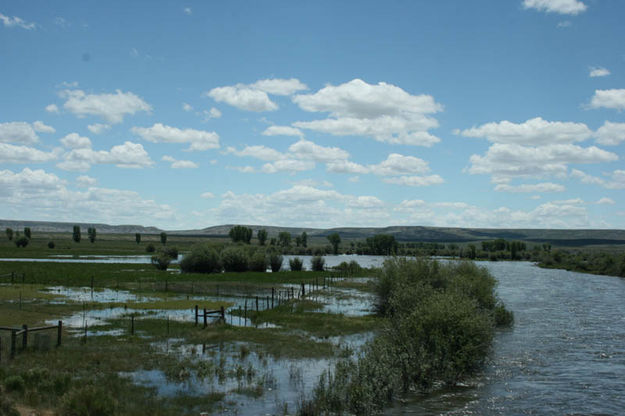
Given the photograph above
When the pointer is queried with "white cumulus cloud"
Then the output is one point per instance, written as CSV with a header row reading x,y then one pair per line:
x,y
10,153
18,132
611,134
282,131
75,141
598,72
530,188
111,107
532,132
98,128
179,164
383,111
126,155
612,99
571,7
198,140
15,21
41,127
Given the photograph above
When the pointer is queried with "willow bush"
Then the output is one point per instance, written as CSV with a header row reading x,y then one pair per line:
x,y
440,322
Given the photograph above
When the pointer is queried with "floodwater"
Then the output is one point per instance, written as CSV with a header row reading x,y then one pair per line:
x,y
256,384
330,261
565,354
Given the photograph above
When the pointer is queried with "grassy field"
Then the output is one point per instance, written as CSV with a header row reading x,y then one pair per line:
x,y
146,356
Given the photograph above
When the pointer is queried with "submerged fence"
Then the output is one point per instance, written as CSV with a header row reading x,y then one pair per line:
x,y
41,341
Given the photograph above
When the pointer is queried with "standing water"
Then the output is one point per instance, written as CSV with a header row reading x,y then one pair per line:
x,y
564,355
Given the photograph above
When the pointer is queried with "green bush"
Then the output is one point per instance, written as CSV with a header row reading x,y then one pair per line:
x,y
234,259
22,241
51,244
201,259
161,261
88,401
258,262
275,261
15,383
350,269
150,248
296,264
439,328
7,407
317,263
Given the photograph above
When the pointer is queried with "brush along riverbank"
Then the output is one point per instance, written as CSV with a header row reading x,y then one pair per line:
x,y
439,322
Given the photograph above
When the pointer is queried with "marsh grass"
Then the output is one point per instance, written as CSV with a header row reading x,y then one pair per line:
x,y
300,315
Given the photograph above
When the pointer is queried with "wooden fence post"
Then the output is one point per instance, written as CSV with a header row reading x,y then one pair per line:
x,y
272,293
59,333
13,341
132,324
24,337
196,311
303,289
204,317
223,314
256,303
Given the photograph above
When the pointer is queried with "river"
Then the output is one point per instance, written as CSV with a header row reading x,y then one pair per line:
x,y
565,354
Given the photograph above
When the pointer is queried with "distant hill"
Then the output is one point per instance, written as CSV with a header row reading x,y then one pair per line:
x,y
438,234
401,233
67,227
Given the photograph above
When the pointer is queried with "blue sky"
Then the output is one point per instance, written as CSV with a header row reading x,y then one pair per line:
x,y
322,114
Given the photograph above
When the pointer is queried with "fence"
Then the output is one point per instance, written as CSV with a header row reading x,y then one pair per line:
x,y
24,331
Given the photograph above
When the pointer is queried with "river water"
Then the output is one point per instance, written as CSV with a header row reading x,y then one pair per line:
x,y
565,354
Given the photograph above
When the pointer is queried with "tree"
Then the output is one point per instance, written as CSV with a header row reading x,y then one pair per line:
x,y
76,234
163,238
137,238
335,240
91,233
9,232
304,239
262,236
382,244
27,232
21,241
239,233
284,239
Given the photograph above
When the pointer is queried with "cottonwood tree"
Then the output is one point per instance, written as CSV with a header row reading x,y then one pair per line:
x,y
335,240
76,234
27,232
9,232
239,233
284,239
262,237
91,233
137,238
163,238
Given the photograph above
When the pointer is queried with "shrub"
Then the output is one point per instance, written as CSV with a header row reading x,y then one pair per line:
x,y
317,263
51,244
22,241
440,324
15,383
150,248
503,317
171,252
275,261
296,264
350,268
161,261
7,408
258,262
234,259
88,401
201,259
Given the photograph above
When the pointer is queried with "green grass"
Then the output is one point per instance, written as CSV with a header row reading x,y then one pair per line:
x,y
297,315
101,359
